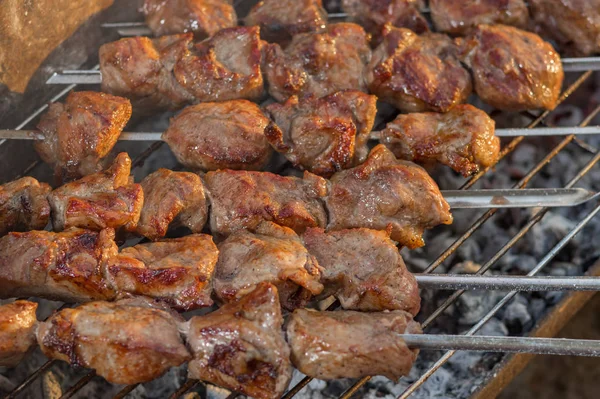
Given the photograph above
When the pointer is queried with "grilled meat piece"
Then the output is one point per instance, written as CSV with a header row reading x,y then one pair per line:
x,y
387,194
202,17
67,266
460,17
417,73
126,342
318,63
225,135
323,135
172,198
273,254
80,132
280,20
575,24
513,70
463,138
363,269
374,14
24,205
242,200
241,347
177,271
104,199
17,324
348,344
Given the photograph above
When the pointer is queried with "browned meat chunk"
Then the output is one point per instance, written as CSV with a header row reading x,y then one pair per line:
x,y
280,20
513,70
463,138
460,17
202,17
273,254
177,271
417,73
575,24
226,135
82,131
126,342
318,63
363,269
348,344
17,324
242,200
374,14
172,198
104,199
387,194
241,347
67,266
323,135
24,205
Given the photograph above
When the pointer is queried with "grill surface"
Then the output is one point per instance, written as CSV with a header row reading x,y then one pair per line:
x,y
512,363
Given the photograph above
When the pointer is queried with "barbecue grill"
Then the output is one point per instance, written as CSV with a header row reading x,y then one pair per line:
x,y
18,159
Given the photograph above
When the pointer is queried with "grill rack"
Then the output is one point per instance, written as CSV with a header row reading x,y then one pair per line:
x,y
537,120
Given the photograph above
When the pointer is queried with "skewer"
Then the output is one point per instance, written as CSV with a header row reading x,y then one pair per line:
x,y
512,283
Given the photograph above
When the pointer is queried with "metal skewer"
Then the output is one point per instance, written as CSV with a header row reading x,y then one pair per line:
x,y
508,283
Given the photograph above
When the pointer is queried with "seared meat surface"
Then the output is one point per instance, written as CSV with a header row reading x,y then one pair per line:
x,y
417,73
575,24
242,200
177,271
202,17
172,198
460,17
513,70
67,266
80,132
104,199
318,63
462,138
387,194
225,135
272,254
126,342
363,269
280,20
241,347
323,135
17,325
348,344
24,205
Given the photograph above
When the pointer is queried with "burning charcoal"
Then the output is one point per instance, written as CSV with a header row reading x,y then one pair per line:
x,y
516,315
493,327
473,305
537,308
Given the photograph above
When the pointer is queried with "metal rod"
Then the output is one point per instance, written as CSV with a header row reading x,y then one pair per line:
x,y
517,198
79,384
516,283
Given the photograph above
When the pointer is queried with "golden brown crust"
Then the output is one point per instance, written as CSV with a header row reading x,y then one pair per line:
x,y
24,205
17,324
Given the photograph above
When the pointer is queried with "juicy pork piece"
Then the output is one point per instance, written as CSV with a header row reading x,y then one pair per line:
x,y
241,347
348,344
176,271
363,269
17,336
242,200
24,205
273,254
462,138
104,199
126,342
417,73
67,266
280,20
575,24
172,198
513,70
460,17
201,17
318,63
225,135
387,194
323,135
